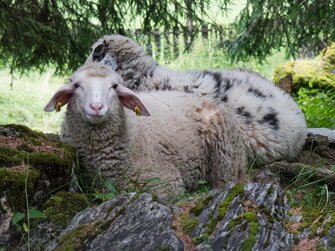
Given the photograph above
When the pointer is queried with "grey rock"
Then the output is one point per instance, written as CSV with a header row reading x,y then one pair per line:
x,y
327,242
254,219
7,231
323,131
108,210
295,218
41,235
145,225
142,224
7,131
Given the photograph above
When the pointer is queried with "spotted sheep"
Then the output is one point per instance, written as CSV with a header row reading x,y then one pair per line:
x,y
178,137
270,123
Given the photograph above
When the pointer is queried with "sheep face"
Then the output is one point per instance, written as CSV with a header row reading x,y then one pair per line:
x,y
96,94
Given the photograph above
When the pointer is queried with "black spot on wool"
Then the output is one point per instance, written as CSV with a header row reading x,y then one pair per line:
x,y
187,89
271,119
256,92
224,99
228,85
216,76
241,110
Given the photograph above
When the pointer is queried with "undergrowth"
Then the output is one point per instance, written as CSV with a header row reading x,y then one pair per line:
x,y
304,190
318,106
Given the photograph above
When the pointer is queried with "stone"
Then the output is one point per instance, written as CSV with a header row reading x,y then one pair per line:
x,y
317,72
133,222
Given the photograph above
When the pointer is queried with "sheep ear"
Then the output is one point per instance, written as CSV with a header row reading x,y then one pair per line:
x,y
129,100
60,98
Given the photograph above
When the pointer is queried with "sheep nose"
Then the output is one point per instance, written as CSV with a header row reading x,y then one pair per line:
x,y
96,106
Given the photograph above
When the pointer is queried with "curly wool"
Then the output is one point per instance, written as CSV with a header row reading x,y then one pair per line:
x,y
270,123
185,139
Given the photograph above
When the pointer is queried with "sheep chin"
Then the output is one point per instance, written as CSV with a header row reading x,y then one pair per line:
x,y
94,119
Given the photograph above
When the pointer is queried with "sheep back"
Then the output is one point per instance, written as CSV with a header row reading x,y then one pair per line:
x,y
271,124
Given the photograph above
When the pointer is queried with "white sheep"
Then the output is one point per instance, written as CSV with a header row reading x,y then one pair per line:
x,y
186,138
271,124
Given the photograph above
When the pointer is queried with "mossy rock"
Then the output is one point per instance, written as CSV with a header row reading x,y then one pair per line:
x,y
24,131
63,206
316,221
18,181
318,72
77,238
49,164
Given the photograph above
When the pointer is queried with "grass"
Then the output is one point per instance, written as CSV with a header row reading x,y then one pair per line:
x,y
206,54
23,102
318,106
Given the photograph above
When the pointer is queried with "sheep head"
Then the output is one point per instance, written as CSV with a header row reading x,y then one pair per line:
x,y
97,90
102,54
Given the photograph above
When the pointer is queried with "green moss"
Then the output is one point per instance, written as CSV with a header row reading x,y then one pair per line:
x,y
204,237
49,160
201,205
329,224
16,177
309,72
110,209
25,131
313,219
75,239
25,147
251,240
211,225
250,216
162,248
251,219
282,71
121,211
320,248
237,190
12,157
154,197
61,207
13,181
270,190
189,224
51,165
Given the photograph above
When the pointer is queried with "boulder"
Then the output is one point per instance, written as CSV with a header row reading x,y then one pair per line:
x,y
32,167
318,72
128,222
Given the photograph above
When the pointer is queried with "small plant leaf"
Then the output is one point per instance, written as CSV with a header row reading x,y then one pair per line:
x,y
104,196
202,182
25,227
153,180
36,214
110,186
18,216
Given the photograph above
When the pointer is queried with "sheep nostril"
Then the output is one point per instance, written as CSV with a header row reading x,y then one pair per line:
x,y
96,106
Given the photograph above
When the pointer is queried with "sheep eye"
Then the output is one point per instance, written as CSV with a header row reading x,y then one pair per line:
x,y
76,85
115,86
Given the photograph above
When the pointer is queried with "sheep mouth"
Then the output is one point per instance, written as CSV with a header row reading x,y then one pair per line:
x,y
95,117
